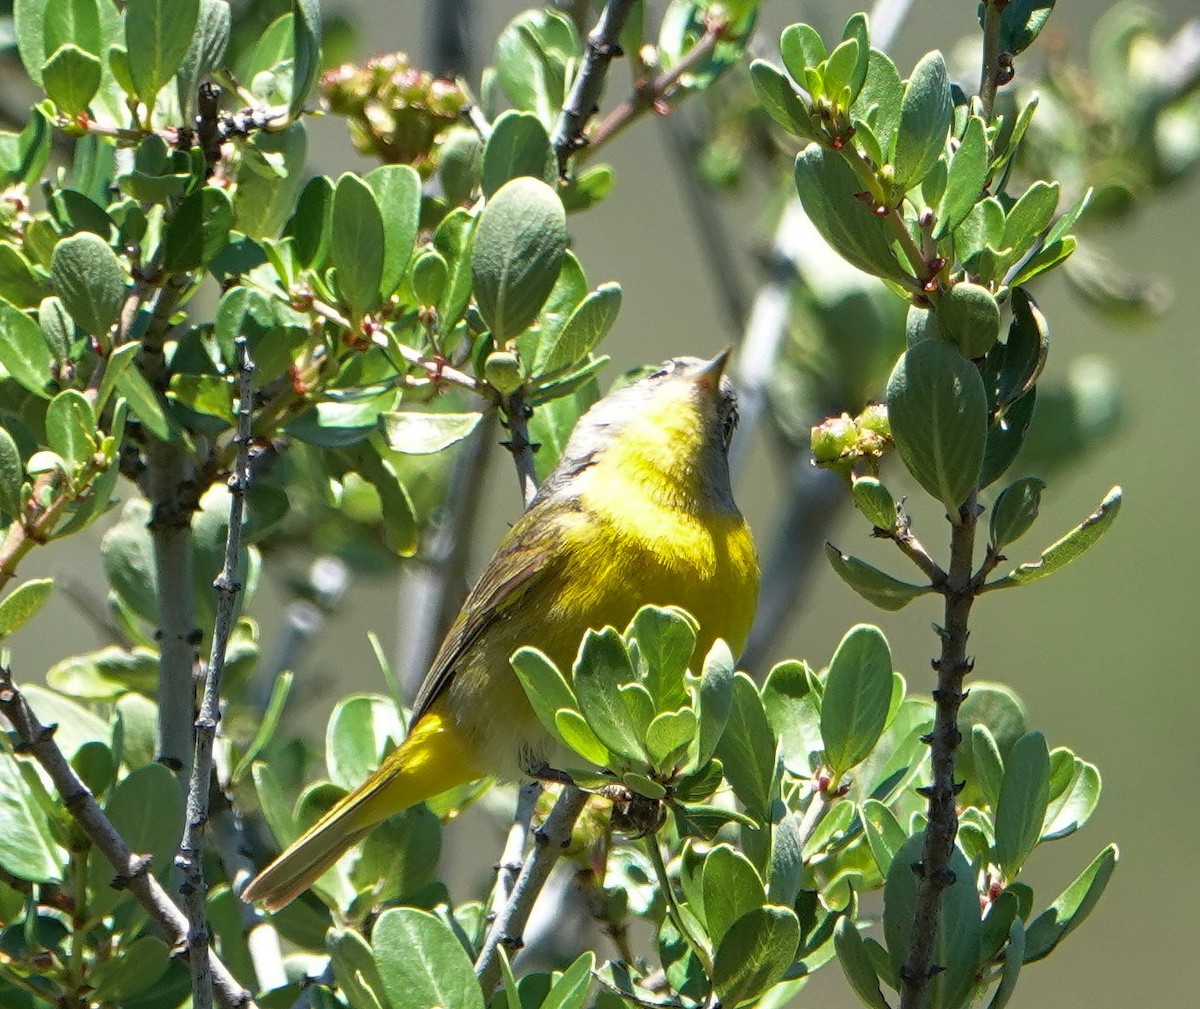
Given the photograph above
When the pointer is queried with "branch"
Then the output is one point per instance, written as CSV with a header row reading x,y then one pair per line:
x,y
516,418
133,871
951,667
191,849
549,841
510,864
583,101
654,93
989,77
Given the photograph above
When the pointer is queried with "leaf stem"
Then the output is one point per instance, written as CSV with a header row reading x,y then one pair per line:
x,y
664,885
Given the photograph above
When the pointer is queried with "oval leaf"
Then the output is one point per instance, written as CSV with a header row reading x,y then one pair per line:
x,y
1024,796
421,962
416,433
358,243
858,692
873,585
754,953
90,280
939,417
520,245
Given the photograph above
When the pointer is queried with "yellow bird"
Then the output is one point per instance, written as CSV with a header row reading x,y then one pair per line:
x,y
638,511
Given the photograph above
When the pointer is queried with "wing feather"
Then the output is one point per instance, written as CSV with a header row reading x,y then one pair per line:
x,y
529,558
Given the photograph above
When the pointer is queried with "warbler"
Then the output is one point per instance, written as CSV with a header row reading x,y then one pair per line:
x,y
639,510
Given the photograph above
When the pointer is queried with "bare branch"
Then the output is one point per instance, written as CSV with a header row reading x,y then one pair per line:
x,y
132,871
191,849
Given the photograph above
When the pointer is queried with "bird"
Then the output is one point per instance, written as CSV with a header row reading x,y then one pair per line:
x,y
639,510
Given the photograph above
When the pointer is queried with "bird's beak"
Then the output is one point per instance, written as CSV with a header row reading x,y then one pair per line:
x,y
709,374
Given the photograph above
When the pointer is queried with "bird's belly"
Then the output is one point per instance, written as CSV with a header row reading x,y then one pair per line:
x,y
707,568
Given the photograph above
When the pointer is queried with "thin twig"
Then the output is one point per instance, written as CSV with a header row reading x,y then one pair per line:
x,y
602,46
132,871
516,418
191,849
655,93
549,841
951,667
989,77
902,535
512,858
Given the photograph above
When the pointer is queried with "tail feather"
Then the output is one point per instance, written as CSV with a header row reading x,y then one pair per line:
x,y
431,760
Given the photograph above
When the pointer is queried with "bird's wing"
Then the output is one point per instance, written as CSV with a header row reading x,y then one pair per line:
x,y
530,557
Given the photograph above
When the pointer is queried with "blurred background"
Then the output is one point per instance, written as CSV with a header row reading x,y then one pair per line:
x,y
1104,654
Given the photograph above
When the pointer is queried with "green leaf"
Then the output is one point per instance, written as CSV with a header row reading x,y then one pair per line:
x,y
460,164
19,284
24,353
22,603
400,856
1015,510
776,95
1021,22
266,196
747,749
570,991
885,836
206,52
926,114
90,280
1051,254
988,774
1029,217
106,674
666,639
354,969
1076,543
546,687
422,964
531,60
828,190
938,411
306,37
585,327
969,317
518,146
27,846
157,36
603,676
1014,956
357,243
519,249
879,101
23,155
281,689
1071,809
754,953
873,585
415,433
12,476
198,230
856,963
1073,905
575,732
71,427
965,179
57,327
71,78
146,807
844,72
1024,796
715,701
801,48
397,190
959,930
875,502
144,403
309,226
668,736
71,22
359,732
858,692
138,967
731,887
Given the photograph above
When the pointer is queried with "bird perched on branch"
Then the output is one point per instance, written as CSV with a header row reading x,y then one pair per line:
x,y
638,511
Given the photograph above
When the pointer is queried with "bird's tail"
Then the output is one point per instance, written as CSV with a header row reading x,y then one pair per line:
x,y
430,761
